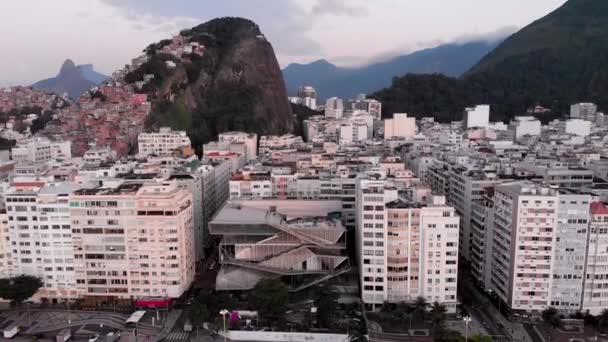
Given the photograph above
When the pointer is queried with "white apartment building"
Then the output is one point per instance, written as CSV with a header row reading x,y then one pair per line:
x,y
274,142
406,250
133,240
478,116
334,108
558,173
525,125
353,133
569,251
251,185
40,234
578,127
400,126
523,238
371,106
5,248
249,139
584,111
595,297
162,143
42,150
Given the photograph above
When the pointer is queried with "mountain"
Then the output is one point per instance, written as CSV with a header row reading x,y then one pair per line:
x,y
234,83
330,80
555,61
72,79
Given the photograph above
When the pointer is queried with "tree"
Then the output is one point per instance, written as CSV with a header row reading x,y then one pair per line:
x,y
19,288
327,303
438,314
207,305
602,320
406,311
420,307
270,298
551,316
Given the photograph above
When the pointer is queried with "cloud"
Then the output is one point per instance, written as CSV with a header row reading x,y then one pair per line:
x,y
339,7
284,23
488,37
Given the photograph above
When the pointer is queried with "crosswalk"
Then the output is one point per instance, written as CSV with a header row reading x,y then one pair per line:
x,y
178,336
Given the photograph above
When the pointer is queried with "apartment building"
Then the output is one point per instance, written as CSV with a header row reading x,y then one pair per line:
x,y
252,185
465,187
249,139
595,297
273,142
40,234
162,143
133,240
42,150
5,248
569,251
523,240
406,250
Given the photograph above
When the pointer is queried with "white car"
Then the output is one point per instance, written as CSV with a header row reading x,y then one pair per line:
x,y
94,338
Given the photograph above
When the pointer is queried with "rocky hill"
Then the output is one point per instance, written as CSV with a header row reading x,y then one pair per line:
x,y
72,79
331,80
219,76
555,61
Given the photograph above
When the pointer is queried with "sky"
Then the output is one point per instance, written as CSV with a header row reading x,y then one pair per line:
x,y
37,36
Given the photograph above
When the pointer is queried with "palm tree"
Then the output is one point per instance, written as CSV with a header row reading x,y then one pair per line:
x,y
438,314
420,306
406,311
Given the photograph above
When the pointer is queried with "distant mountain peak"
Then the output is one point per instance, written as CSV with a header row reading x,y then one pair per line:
x,y
330,80
67,67
72,79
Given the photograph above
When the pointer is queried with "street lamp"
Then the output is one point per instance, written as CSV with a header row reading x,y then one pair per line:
x,y
224,312
467,320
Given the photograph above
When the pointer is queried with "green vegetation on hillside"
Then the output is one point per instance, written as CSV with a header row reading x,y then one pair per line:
x,y
554,62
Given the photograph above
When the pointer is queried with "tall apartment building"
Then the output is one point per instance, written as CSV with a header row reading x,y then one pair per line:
x,y
595,297
400,126
307,96
406,250
353,133
466,187
523,239
5,248
334,108
585,111
41,150
249,139
569,251
478,116
133,240
41,238
162,143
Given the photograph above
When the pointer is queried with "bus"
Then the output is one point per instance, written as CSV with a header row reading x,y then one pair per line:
x,y
153,303
134,319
